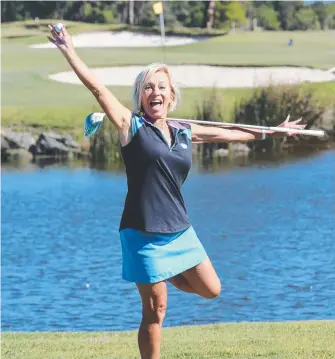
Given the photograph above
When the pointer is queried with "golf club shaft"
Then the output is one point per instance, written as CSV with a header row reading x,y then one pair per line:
x,y
317,133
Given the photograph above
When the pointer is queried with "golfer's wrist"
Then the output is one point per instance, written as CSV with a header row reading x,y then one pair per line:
x,y
70,54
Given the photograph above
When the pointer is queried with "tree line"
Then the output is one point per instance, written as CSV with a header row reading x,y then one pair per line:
x,y
249,15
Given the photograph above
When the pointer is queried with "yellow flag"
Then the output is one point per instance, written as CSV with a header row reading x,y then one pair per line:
x,y
158,8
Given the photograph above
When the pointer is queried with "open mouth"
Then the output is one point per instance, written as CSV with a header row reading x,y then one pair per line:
x,y
156,103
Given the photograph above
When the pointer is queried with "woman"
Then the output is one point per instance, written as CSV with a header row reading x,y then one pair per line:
x,y
158,242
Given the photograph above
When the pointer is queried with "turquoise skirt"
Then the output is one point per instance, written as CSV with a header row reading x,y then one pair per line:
x,y
154,257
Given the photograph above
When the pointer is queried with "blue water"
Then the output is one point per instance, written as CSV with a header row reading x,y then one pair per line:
x,y
268,228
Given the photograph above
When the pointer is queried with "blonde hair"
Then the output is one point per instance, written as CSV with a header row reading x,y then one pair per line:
x,y
140,83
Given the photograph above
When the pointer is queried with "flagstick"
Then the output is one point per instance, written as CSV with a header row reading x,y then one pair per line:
x,y
162,25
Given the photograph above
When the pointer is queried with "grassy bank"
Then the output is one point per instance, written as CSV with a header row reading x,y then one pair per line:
x,y
284,340
64,110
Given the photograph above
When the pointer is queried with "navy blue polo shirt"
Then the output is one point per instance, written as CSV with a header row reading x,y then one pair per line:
x,y
155,174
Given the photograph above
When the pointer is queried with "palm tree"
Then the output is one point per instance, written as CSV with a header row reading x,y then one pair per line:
x,y
210,14
131,12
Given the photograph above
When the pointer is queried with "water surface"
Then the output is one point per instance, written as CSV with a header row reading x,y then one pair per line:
x,y
267,226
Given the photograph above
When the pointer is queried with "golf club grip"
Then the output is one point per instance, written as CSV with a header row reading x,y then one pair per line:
x,y
317,133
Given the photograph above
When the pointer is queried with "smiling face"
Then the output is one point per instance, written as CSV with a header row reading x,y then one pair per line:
x,y
156,95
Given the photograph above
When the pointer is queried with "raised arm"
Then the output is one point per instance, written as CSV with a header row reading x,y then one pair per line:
x,y
118,114
211,134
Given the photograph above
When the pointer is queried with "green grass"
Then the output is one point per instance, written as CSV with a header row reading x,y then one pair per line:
x,y
282,340
62,109
29,98
313,49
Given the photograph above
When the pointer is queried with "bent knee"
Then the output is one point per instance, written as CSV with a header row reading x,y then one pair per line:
x,y
212,293
154,313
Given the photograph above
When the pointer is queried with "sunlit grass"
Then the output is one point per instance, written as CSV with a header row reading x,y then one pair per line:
x,y
285,340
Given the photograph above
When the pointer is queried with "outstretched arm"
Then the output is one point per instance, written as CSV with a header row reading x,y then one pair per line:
x,y
211,134
118,114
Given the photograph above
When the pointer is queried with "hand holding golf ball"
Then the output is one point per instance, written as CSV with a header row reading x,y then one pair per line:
x,y
61,38
58,27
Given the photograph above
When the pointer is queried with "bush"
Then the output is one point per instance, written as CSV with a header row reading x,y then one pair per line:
x,y
306,19
210,109
104,145
147,17
108,16
270,107
227,13
93,14
268,18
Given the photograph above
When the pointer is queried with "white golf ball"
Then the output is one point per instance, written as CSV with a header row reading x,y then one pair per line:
x,y
58,27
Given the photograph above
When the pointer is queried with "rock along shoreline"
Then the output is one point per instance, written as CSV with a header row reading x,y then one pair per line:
x,y
25,147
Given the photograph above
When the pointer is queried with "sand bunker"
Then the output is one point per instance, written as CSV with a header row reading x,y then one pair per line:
x,y
121,39
184,76
208,76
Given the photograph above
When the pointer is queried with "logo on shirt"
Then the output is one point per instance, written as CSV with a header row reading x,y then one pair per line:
x,y
183,145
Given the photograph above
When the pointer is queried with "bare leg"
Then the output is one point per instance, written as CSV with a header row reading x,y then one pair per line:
x,y
154,303
180,282
201,279
204,279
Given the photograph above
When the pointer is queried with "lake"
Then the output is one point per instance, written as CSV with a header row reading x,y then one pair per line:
x,y
267,225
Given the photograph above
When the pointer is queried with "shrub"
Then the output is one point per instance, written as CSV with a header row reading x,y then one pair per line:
x,y
108,16
210,109
104,145
268,18
147,17
306,19
270,106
